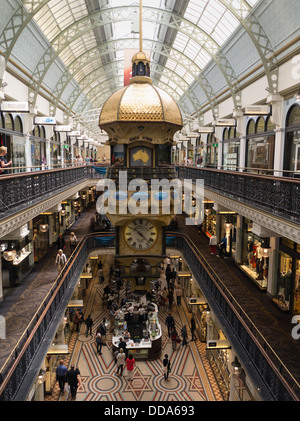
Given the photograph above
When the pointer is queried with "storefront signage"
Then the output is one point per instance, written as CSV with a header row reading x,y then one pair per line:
x,y
75,133
257,110
62,128
218,345
14,107
206,129
45,120
225,122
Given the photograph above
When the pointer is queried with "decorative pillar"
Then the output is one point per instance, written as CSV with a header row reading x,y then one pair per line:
x,y
279,152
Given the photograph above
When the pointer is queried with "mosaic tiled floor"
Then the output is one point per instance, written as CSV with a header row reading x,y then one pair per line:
x,y
191,377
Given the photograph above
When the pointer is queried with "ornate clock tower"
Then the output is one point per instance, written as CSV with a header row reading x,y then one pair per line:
x,y
140,120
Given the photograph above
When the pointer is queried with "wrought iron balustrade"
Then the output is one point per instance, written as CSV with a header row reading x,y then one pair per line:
x,y
279,196
279,382
19,191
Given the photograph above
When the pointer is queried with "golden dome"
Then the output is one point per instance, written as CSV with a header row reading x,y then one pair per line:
x,y
140,56
140,101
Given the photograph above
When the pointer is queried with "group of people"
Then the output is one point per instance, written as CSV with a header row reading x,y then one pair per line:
x,y
71,377
213,242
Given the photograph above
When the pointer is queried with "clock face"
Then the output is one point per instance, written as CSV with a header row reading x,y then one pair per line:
x,y
140,234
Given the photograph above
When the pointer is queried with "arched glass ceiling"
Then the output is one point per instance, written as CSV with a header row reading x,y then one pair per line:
x,y
196,28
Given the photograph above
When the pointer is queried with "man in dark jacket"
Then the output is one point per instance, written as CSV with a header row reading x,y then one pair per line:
x,y
89,324
170,322
73,380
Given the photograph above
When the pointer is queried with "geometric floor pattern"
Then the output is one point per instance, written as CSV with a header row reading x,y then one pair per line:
x,y
191,377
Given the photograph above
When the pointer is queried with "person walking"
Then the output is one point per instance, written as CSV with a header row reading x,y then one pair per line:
x,y
98,340
223,246
213,241
61,260
122,345
184,336
167,366
170,298
170,322
89,324
3,162
77,319
72,378
61,372
130,364
178,293
60,243
72,242
193,328
175,338
121,360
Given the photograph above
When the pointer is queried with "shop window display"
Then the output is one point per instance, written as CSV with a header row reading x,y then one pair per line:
x,y
260,146
292,142
253,261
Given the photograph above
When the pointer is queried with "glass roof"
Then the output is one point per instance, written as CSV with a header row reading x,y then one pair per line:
x,y
210,20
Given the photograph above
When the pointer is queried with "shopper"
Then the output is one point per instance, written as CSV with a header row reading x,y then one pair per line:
x,y
130,364
60,243
61,372
223,246
73,242
170,322
184,336
178,293
175,338
167,366
77,319
170,298
121,360
61,260
213,241
122,345
3,162
98,340
73,380
193,328
89,324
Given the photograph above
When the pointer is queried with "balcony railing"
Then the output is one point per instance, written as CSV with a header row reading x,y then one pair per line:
x,y
16,374
279,196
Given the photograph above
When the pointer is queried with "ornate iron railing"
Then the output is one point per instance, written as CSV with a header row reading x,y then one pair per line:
x,y
279,196
279,382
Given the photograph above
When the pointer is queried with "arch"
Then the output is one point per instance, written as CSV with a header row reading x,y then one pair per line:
x,y
251,129
293,116
260,126
8,121
18,124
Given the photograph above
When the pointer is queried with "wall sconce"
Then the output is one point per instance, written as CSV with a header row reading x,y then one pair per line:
x,y
75,204
83,197
9,255
63,212
44,227
236,367
228,225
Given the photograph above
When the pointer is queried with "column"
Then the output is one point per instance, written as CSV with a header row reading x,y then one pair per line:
x,y
239,239
1,284
279,151
243,146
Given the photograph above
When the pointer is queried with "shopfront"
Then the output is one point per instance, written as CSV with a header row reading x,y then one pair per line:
x,y
40,237
254,260
212,151
292,142
55,150
260,145
231,150
287,288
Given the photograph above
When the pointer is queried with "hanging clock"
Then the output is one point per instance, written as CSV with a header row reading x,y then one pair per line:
x,y
140,234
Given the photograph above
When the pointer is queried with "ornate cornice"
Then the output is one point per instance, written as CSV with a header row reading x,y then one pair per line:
x,y
13,222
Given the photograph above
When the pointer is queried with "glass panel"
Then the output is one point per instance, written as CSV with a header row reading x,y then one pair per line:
x,y
260,152
8,122
260,125
231,153
251,127
36,155
18,125
18,153
284,281
294,116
